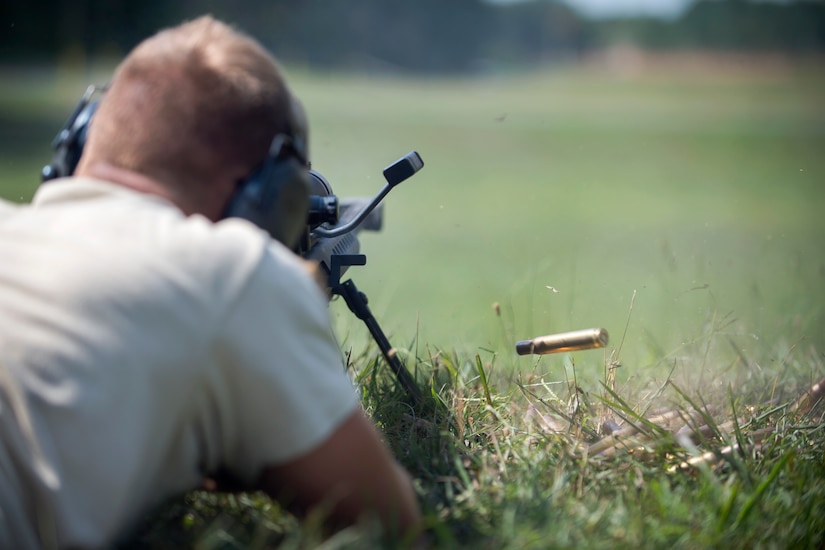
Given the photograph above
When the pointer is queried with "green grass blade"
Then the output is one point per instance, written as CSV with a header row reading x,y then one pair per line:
x,y
762,487
484,384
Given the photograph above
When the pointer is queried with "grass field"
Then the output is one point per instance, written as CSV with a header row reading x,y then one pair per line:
x,y
700,192
681,208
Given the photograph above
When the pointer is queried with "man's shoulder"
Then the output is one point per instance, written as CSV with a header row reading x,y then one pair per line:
x,y
147,235
7,207
132,222
89,223
234,252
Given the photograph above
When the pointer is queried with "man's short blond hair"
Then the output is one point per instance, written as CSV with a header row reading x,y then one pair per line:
x,y
189,102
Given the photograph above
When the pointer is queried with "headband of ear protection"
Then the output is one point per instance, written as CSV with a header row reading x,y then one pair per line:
x,y
275,196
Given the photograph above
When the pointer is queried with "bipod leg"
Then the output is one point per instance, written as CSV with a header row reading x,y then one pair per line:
x,y
357,303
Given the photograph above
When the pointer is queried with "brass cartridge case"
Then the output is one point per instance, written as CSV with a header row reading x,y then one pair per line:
x,y
564,341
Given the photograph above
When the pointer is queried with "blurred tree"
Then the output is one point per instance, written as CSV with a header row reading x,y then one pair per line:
x,y
538,31
398,35
46,29
740,25
426,35
726,25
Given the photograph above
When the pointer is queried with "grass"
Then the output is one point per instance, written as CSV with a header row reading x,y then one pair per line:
x,y
679,209
517,465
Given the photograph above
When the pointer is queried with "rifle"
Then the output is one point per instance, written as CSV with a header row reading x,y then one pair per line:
x,y
332,240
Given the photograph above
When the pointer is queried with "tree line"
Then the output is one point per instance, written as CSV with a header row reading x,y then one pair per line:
x,y
425,36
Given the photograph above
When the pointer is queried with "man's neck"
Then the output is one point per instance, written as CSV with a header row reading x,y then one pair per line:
x,y
126,178
209,201
131,180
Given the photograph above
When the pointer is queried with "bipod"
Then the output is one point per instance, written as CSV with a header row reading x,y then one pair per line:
x,y
357,303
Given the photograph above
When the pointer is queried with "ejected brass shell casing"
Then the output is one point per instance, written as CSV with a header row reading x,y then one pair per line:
x,y
565,341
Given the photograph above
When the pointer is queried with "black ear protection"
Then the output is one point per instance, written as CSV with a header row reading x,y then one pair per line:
x,y
69,142
275,197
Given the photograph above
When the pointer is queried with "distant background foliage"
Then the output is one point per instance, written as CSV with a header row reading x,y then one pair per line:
x,y
403,36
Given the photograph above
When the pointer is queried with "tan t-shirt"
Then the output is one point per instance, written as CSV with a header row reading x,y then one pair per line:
x,y
140,350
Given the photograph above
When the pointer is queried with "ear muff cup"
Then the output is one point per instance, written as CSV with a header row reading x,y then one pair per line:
x,y
276,196
69,142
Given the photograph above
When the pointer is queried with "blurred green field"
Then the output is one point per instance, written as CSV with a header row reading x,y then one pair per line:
x,y
701,191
